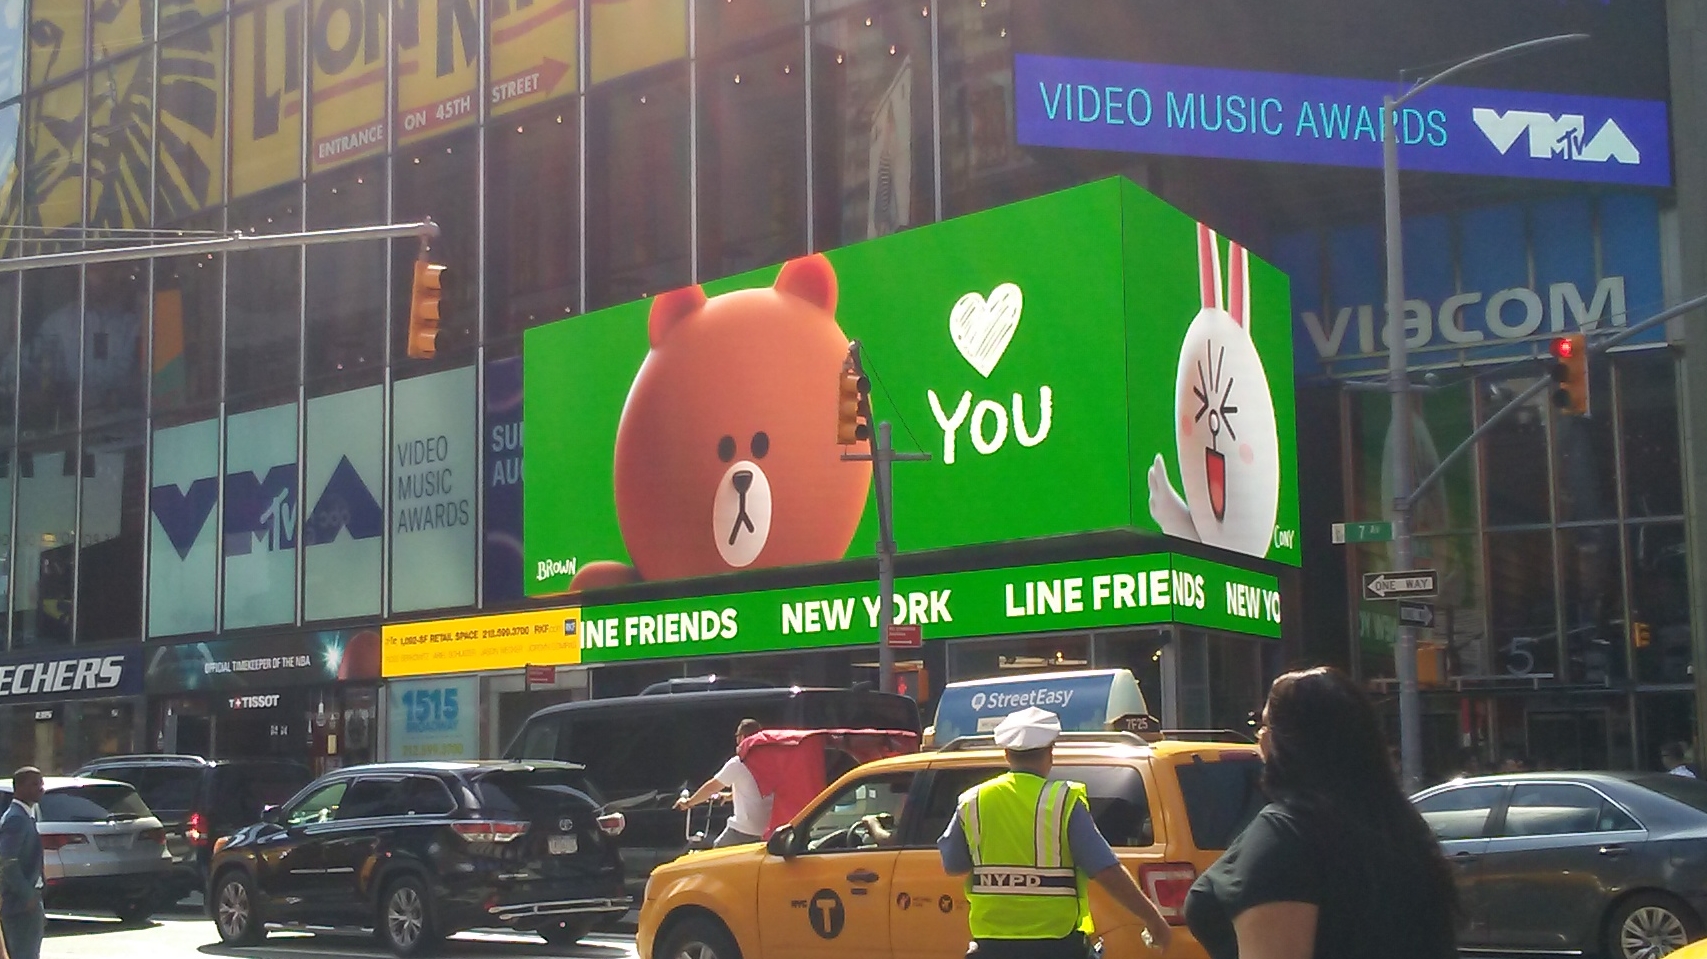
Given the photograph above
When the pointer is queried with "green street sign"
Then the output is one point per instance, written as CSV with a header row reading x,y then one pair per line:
x,y
1073,363
1378,531
1085,594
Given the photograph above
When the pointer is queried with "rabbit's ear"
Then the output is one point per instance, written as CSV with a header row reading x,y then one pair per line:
x,y
1239,285
1209,266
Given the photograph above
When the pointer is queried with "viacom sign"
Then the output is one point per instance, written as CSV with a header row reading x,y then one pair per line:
x,y
1333,121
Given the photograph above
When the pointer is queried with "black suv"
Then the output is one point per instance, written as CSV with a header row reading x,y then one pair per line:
x,y
200,800
417,851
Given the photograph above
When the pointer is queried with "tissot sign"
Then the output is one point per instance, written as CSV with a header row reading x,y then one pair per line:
x,y
1285,118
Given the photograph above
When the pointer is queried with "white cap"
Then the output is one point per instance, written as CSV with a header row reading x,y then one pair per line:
x,y
1030,728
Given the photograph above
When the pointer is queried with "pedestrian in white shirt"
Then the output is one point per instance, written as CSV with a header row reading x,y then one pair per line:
x,y
752,811
1671,755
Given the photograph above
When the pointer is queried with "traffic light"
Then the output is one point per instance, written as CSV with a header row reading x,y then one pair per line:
x,y
1641,635
1570,371
424,309
851,426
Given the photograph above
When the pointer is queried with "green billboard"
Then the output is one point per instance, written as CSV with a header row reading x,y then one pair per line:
x,y
1088,360
1151,589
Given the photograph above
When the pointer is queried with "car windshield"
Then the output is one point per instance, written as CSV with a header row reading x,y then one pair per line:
x,y
1690,792
92,803
525,793
169,789
1221,798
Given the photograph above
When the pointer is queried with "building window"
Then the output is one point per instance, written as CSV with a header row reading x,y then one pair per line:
x,y
46,559
1515,453
638,199
872,158
51,329
115,308
1647,413
58,38
1659,602
188,293
345,344
438,179
533,248
729,23
1523,624
109,537
1585,457
263,336
1592,588
54,152
752,158
190,163
121,143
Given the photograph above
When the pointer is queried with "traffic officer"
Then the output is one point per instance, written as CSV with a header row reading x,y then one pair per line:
x,y
1028,846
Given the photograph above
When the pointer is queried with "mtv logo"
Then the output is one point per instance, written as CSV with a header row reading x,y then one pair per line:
x,y
1556,138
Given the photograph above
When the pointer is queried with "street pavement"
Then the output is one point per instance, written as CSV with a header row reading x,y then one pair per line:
x,y
184,933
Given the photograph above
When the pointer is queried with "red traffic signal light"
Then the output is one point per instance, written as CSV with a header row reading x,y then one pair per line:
x,y
1570,372
852,390
424,297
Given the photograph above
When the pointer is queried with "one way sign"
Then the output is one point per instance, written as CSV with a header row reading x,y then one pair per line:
x,y
1408,584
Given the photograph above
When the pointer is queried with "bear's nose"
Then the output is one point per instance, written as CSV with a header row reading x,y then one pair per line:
x,y
743,479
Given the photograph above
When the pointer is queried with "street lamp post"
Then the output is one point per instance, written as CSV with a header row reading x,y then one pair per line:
x,y
1399,387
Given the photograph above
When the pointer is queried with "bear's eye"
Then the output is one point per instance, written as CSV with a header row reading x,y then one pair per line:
x,y
726,448
761,445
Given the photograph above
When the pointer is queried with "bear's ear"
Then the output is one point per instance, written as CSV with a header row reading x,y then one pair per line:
x,y
811,278
671,308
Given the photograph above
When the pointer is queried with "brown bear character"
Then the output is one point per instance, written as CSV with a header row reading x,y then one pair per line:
x,y
726,455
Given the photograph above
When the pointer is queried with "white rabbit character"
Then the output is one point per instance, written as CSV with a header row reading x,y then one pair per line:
x,y
1229,445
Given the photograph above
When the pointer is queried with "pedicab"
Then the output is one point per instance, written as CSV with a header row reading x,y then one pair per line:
x,y
792,766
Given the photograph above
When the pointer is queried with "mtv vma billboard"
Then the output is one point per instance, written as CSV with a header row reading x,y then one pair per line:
x,y
1285,118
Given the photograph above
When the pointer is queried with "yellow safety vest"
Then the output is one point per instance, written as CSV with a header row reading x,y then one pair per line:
x,y
1023,884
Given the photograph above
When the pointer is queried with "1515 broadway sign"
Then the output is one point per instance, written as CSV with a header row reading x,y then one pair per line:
x,y
1086,594
1089,360
1283,118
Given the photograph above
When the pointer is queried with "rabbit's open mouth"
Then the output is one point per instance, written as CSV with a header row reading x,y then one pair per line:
x,y
1215,469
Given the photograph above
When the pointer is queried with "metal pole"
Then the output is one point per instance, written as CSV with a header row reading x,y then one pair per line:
x,y
1399,435
234,243
1399,386
882,456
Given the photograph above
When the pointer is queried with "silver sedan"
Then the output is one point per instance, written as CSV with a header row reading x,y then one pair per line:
x,y
1610,864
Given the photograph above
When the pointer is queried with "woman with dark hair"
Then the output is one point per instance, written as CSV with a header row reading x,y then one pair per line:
x,y
1339,865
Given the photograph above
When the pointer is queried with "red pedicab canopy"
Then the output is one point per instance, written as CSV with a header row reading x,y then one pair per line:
x,y
793,766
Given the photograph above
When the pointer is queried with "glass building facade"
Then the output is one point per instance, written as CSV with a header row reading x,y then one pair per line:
x,y
207,446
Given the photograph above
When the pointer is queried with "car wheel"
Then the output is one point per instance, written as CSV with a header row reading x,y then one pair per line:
x,y
406,918
1650,925
568,932
698,938
135,911
234,911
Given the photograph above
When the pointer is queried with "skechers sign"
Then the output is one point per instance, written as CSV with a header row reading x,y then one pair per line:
x,y
63,677
1283,118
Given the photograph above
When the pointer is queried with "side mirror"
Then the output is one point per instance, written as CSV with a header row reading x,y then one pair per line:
x,y
270,815
781,842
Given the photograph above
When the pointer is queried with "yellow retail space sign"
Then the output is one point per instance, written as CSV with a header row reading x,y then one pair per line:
x,y
478,643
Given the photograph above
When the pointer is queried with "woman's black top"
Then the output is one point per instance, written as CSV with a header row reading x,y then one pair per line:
x,y
1372,902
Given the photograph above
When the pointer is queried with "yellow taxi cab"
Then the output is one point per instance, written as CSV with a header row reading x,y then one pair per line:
x,y
828,887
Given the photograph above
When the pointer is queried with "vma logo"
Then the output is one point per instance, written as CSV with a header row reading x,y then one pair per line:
x,y
1557,138
261,511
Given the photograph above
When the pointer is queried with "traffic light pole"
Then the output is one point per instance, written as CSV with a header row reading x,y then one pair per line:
x,y
882,457
234,243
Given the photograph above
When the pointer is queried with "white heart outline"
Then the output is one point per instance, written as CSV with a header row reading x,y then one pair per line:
x,y
982,328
